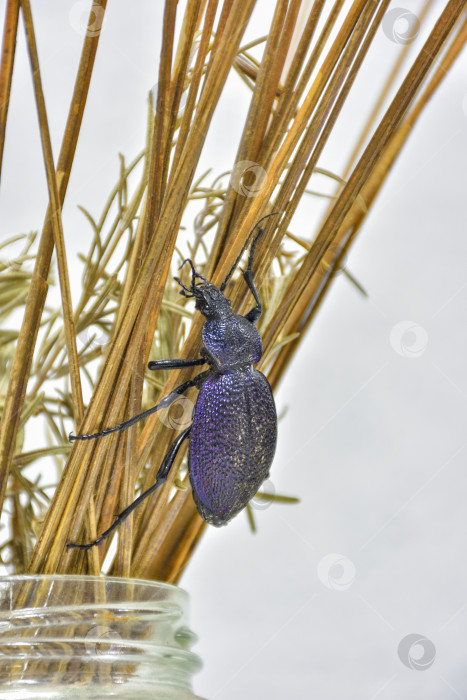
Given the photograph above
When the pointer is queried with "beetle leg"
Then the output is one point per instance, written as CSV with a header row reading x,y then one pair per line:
x,y
161,478
261,231
175,364
166,401
254,314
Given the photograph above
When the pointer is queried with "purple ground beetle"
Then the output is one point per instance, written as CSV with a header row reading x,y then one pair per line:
x,y
234,429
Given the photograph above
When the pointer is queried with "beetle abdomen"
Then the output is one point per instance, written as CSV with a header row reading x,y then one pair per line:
x,y
232,443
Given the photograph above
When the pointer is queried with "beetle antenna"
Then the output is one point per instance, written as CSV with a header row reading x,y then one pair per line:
x,y
187,291
250,261
194,273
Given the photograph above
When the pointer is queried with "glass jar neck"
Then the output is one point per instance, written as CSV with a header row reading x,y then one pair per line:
x,y
94,637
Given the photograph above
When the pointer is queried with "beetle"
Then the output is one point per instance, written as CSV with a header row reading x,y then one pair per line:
x,y
233,434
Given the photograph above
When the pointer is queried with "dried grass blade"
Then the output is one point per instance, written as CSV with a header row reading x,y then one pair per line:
x,y
353,221
287,110
383,94
157,166
171,562
194,83
191,20
326,114
6,68
289,141
267,82
57,226
38,290
391,120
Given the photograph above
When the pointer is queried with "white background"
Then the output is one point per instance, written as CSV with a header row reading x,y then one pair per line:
x,y
374,439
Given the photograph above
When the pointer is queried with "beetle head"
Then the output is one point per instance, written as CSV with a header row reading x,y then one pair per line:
x,y
209,300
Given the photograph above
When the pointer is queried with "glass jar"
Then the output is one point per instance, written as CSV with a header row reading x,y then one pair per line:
x,y
94,637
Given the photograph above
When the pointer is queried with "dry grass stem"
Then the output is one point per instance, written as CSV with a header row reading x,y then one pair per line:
x,y
6,67
22,360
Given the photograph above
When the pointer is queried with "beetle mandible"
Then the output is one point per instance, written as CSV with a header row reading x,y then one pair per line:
x,y
232,437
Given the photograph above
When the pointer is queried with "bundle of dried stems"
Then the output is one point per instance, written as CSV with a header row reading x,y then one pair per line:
x,y
298,89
